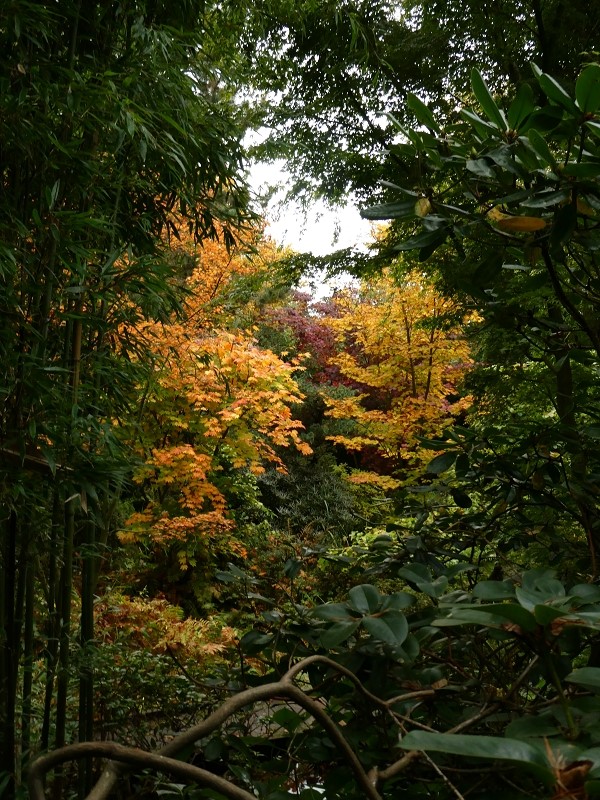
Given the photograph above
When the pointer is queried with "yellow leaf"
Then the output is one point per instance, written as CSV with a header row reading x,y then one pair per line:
x,y
423,207
521,224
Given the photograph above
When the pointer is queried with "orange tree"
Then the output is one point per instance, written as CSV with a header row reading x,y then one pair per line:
x,y
215,410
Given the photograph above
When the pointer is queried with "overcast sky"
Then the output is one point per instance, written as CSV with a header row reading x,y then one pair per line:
x,y
317,232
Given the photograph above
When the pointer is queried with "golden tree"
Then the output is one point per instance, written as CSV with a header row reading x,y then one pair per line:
x,y
403,349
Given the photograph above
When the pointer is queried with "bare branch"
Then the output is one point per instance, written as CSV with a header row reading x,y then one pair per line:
x,y
131,756
282,688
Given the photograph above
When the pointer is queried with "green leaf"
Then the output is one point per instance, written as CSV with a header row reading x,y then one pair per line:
x,y
489,747
481,168
565,222
333,611
532,726
418,571
587,592
470,615
521,107
364,598
487,269
461,499
254,641
587,89
287,718
555,92
494,590
545,615
546,199
594,127
585,676
441,463
338,633
422,113
389,628
582,170
544,120
426,239
540,146
398,601
483,128
404,210
514,613
486,101
504,156
421,577
527,598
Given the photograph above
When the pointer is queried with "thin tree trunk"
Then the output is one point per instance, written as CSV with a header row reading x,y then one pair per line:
x,y
27,662
8,657
86,675
62,682
53,619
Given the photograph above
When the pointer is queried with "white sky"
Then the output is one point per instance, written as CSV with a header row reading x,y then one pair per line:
x,y
320,232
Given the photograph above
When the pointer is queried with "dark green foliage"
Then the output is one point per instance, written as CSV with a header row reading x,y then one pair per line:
x,y
331,74
111,126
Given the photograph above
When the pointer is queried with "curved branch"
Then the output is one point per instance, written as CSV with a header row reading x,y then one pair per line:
x,y
112,772
284,687
319,714
133,757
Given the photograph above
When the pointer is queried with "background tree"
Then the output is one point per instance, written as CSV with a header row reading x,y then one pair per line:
x,y
215,410
403,350
330,74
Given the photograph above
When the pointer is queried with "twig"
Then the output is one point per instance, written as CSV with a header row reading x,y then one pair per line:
x,y
445,778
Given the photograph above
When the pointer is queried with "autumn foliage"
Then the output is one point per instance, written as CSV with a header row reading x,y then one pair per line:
x,y
217,405
402,348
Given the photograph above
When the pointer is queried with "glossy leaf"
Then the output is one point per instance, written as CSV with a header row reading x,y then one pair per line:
x,y
333,611
487,102
441,463
428,238
390,628
481,168
421,112
540,146
585,676
521,107
364,598
494,590
338,633
403,210
483,128
513,613
555,92
587,89
489,747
